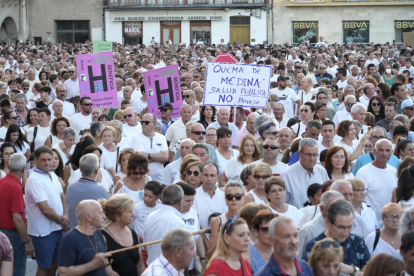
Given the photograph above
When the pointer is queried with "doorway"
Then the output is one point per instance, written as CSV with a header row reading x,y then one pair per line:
x,y
171,30
240,29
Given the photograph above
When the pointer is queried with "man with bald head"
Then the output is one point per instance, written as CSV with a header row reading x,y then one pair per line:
x,y
223,116
199,92
285,139
127,95
171,171
304,94
82,251
131,125
380,178
369,92
96,113
71,84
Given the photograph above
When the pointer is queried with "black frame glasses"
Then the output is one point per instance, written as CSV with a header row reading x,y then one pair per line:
x,y
230,197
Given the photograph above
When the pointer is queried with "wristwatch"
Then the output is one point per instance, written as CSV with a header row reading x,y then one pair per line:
x,y
356,270
149,156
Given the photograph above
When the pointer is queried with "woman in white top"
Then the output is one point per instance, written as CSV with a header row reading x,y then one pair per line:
x,y
261,173
389,236
58,126
15,136
275,191
224,152
32,119
67,146
40,133
235,197
307,112
133,183
336,163
9,118
404,148
122,163
405,187
358,201
108,147
249,152
353,148
189,98
141,103
57,167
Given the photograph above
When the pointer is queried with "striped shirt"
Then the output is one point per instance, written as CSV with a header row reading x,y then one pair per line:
x,y
161,266
297,181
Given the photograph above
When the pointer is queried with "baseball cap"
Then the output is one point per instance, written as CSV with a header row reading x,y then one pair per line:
x,y
166,105
281,78
407,103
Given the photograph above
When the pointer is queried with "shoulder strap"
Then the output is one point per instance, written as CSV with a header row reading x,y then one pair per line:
x,y
372,156
32,146
314,213
297,133
377,236
117,153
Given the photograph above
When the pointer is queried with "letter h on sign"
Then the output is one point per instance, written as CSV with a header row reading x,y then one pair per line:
x,y
161,99
100,86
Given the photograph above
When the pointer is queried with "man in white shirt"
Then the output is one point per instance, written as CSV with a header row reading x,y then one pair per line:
x,y
358,112
83,119
47,212
71,84
172,170
271,149
380,178
68,108
371,59
223,116
278,112
177,131
131,126
345,114
408,66
126,95
369,92
287,97
160,222
57,108
341,75
305,94
321,43
152,145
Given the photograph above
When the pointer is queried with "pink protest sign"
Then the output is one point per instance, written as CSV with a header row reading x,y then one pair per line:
x,y
163,86
96,76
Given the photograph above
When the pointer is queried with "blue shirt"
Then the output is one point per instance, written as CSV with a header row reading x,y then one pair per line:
x,y
272,268
293,158
355,251
165,126
365,159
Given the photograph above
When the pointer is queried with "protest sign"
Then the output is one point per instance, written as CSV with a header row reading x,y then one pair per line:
x,y
163,86
96,77
230,84
102,46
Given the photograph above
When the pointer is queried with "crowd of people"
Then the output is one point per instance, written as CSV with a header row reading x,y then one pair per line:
x,y
318,182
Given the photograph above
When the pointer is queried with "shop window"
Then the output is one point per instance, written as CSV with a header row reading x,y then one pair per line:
x,y
72,31
355,31
303,30
404,31
200,31
132,32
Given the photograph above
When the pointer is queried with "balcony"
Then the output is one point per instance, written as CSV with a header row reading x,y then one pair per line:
x,y
182,4
344,2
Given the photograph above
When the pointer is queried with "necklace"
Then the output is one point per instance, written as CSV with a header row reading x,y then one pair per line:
x,y
95,247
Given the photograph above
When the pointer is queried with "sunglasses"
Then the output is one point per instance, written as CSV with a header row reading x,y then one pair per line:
x,y
127,116
230,197
199,132
304,110
271,147
264,230
273,133
88,104
376,104
13,118
71,71
350,104
138,173
190,172
327,244
257,177
186,96
165,109
25,88
145,122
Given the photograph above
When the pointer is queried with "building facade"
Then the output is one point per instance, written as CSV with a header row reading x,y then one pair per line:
x,y
13,20
186,21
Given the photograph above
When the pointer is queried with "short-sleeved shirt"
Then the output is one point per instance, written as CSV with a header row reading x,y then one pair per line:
x,y
11,201
273,268
175,132
78,249
221,268
356,252
288,98
6,249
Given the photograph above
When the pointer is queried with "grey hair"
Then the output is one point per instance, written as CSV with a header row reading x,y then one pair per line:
x,y
119,125
68,132
378,127
172,195
337,183
315,124
158,124
189,123
274,223
175,238
339,207
349,97
395,123
265,127
96,128
222,107
406,219
186,105
3,84
248,170
356,107
260,120
401,118
235,184
307,142
356,123
21,95
251,115
17,162
328,195
88,164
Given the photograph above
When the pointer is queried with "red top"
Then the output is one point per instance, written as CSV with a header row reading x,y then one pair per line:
x,y
220,267
11,200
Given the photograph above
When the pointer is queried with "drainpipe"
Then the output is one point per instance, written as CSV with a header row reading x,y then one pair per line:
x,y
273,27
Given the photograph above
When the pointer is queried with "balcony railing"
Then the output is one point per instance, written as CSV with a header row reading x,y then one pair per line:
x,y
181,3
346,1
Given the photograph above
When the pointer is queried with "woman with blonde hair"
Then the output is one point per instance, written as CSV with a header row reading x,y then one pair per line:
x,y
326,257
261,174
188,159
122,162
108,147
189,98
233,243
193,173
248,212
384,265
119,211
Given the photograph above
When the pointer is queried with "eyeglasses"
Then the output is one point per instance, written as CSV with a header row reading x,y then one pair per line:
x,y
344,228
376,104
264,230
165,109
309,155
199,132
230,197
350,104
71,71
258,177
338,157
127,116
25,88
146,122
271,147
276,191
322,68
13,118
211,135
378,137
327,244
360,191
392,218
88,104
272,133
409,108
304,110
190,172
186,96
8,153
138,173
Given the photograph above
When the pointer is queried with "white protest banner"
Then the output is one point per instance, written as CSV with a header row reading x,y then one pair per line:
x,y
229,84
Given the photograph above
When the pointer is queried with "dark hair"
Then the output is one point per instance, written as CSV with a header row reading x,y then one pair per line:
x,y
83,99
405,188
45,110
40,74
46,89
137,161
395,87
292,121
312,190
400,130
203,109
155,187
328,163
104,116
7,116
91,149
262,216
407,241
187,188
28,115
43,149
59,169
20,141
3,146
77,153
328,122
343,128
313,109
382,108
400,146
55,122
322,155
223,132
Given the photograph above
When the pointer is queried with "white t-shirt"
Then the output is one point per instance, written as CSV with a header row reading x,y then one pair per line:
x,y
276,169
222,162
63,155
302,129
131,131
42,134
205,205
139,105
288,98
80,122
72,88
292,212
382,246
68,110
175,132
141,212
234,168
156,144
192,224
112,156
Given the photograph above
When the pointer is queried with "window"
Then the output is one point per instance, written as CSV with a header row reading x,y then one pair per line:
x,y
303,30
132,32
355,31
72,31
404,29
200,32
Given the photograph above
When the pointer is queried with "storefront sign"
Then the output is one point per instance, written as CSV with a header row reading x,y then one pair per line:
x,y
132,29
167,18
404,24
163,86
101,46
355,31
97,79
305,30
230,84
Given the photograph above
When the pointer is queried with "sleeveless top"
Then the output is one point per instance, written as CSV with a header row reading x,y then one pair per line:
x,y
256,259
256,198
221,268
137,196
125,263
55,140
